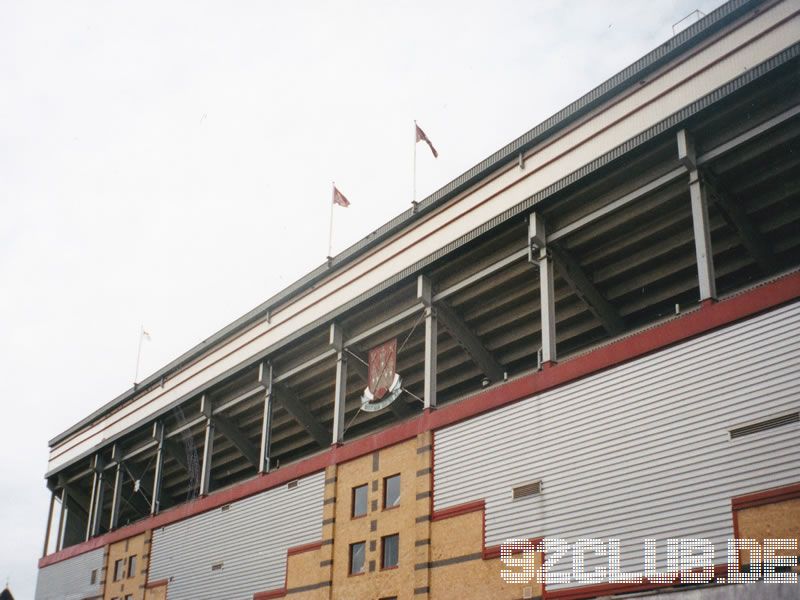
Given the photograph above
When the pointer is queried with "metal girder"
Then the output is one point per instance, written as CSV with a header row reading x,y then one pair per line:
x,y
237,438
119,477
586,290
540,256
470,342
704,254
360,365
289,400
425,296
49,522
208,446
158,435
96,508
340,389
265,379
80,499
737,218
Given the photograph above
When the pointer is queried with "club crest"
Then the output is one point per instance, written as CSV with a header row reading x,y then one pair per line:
x,y
385,384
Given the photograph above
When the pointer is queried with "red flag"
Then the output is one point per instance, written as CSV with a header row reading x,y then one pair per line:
x,y
421,137
338,198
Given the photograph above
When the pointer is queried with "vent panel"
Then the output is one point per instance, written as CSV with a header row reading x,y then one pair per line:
x,y
528,489
765,425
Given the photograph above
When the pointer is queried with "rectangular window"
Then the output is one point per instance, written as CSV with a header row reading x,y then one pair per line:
x,y
93,578
129,597
391,491
131,566
360,501
390,551
119,569
357,555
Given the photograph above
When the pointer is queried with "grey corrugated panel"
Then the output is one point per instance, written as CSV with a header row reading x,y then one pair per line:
x,y
250,539
640,450
71,579
681,42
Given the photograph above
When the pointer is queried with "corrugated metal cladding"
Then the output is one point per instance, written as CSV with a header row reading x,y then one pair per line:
x,y
639,451
248,539
71,579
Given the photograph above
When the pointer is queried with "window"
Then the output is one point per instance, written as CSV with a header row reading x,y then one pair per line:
x,y
391,491
119,569
129,597
131,566
93,578
357,554
390,551
360,500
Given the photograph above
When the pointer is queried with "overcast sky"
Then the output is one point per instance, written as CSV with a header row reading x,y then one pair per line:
x,y
170,164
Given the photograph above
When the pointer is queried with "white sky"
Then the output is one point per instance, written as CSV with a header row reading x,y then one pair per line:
x,y
170,163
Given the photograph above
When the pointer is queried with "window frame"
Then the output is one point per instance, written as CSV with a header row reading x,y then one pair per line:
x,y
363,570
386,488
131,566
384,538
353,514
119,569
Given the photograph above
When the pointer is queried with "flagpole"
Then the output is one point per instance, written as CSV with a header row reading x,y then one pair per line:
x,y
414,185
330,228
138,355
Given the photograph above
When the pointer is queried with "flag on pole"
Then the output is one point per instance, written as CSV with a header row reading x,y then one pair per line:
x,y
338,198
421,137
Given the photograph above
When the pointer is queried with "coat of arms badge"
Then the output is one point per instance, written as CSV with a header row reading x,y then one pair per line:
x,y
385,384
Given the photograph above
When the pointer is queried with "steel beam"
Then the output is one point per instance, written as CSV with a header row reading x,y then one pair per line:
x,y
425,296
119,475
294,406
49,523
700,222
586,290
748,135
340,390
733,213
265,378
208,447
321,357
470,342
237,438
158,435
480,275
539,255
61,520
92,506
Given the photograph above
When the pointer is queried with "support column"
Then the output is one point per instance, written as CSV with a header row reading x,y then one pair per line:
x,y
62,520
97,497
340,393
706,278
158,435
425,295
49,523
92,508
539,255
208,447
116,456
265,377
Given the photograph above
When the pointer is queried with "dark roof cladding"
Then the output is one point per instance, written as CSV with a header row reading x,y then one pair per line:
x,y
684,40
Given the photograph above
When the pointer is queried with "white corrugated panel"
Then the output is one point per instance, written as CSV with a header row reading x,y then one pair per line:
x,y
71,579
249,539
641,450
